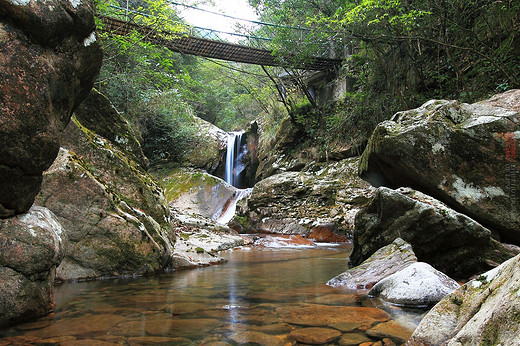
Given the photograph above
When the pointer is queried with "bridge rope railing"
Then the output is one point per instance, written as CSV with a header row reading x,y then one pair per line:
x,y
193,40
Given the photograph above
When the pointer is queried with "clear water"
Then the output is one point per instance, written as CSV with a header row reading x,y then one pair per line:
x,y
241,301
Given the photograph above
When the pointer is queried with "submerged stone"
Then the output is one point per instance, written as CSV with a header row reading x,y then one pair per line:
x,y
324,315
314,336
256,338
393,330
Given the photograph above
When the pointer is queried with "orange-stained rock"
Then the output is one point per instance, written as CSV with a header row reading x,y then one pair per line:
x,y
393,330
323,315
195,327
324,233
315,335
257,338
353,339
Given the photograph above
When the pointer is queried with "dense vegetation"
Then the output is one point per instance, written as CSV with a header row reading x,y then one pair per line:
x,y
397,54
401,53
159,91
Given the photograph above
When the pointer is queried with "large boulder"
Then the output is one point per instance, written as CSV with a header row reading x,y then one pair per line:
x,y
50,59
484,311
451,242
319,201
418,285
465,155
115,218
30,250
384,262
209,150
194,190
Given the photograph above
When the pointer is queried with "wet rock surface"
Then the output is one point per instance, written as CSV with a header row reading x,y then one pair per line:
x,y
462,154
417,285
483,311
383,263
30,250
449,241
50,59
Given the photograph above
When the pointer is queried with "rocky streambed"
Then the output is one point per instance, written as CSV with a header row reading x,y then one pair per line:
x,y
265,295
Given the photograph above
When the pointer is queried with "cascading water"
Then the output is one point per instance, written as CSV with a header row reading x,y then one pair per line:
x,y
234,155
234,168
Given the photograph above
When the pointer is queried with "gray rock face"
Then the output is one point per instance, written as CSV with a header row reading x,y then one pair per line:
x,y
50,59
451,242
319,201
484,311
465,155
210,149
30,250
384,262
418,285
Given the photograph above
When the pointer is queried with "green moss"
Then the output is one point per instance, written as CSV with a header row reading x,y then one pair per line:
x,y
199,250
185,236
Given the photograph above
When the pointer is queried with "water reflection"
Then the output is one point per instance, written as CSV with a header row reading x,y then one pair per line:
x,y
261,295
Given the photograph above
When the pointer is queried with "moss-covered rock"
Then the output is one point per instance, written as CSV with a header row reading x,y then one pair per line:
x,y
194,190
209,150
484,311
465,155
115,218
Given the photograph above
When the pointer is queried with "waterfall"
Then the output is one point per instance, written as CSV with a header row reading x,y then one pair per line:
x,y
234,155
228,212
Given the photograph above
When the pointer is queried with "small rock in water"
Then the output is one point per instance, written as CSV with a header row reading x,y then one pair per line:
x,y
396,332
314,335
353,339
417,285
257,338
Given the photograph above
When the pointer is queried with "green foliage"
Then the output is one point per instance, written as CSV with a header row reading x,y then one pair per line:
x,y
398,54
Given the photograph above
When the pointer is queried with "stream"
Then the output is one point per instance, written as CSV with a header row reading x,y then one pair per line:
x,y
263,295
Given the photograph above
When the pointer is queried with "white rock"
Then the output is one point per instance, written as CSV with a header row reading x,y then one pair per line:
x,y
419,284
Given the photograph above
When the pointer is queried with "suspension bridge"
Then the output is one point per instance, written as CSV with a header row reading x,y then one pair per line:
x,y
188,43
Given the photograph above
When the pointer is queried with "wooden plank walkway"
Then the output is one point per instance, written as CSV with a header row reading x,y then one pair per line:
x,y
210,48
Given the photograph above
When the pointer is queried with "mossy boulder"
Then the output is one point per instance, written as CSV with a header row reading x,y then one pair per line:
x,y
484,311
465,155
194,190
98,114
115,218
